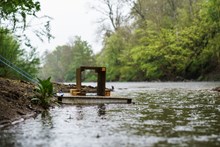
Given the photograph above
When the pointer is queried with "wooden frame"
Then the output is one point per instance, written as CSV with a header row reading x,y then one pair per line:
x,y
100,81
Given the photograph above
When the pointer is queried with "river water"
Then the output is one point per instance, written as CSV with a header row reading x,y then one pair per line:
x,y
164,114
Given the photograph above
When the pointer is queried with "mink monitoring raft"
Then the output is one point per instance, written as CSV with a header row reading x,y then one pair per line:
x,y
80,95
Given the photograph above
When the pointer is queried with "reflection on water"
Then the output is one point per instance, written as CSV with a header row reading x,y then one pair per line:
x,y
101,110
164,114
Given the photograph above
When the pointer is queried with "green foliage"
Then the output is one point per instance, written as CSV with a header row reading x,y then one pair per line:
x,y
213,10
113,48
15,16
168,40
11,50
17,10
44,92
61,64
160,40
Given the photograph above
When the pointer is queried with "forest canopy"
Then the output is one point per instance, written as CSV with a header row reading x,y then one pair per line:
x,y
167,40
154,40
61,63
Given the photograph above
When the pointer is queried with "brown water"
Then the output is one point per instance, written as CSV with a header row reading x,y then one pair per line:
x,y
164,114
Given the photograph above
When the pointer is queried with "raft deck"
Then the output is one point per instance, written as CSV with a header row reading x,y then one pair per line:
x,y
67,98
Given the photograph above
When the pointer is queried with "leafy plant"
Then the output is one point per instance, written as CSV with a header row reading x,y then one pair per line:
x,y
44,92
11,51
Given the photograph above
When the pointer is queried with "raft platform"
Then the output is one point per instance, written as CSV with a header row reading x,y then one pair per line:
x,y
79,95
68,98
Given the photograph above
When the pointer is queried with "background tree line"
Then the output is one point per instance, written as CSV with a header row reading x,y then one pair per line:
x,y
162,40
148,40
61,64
142,40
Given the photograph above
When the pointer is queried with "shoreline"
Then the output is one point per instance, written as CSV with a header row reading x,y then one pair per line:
x,y
7,123
15,100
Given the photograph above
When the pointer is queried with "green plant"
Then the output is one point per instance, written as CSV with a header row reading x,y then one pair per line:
x,y
44,92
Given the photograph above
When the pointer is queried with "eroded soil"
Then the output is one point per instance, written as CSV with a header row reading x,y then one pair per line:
x,y
15,100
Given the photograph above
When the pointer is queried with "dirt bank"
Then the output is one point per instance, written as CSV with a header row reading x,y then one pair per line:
x,y
15,101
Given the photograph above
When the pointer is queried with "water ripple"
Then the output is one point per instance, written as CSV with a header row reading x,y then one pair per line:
x,y
164,114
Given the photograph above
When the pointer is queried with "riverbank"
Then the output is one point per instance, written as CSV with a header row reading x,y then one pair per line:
x,y
15,101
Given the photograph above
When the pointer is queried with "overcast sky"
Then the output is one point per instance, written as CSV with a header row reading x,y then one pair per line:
x,y
70,18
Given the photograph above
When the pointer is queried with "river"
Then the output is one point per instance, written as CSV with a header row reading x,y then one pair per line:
x,y
163,114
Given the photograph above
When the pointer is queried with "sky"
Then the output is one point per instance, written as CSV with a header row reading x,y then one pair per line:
x,y
70,18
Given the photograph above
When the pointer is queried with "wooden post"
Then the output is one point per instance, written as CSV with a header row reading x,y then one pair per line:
x,y
101,81
78,78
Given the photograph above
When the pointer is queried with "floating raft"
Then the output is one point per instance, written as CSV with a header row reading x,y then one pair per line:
x,y
78,95
68,98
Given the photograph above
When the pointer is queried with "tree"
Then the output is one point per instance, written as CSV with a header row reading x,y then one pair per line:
x,y
16,19
109,57
16,11
166,40
11,51
114,14
15,16
61,64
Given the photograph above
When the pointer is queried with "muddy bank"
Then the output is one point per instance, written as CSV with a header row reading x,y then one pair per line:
x,y
15,101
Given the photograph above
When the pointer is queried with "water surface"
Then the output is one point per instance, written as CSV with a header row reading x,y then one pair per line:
x,y
164,114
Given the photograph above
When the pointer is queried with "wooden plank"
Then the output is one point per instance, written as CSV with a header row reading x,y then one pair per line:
x,y
70,99
67,100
